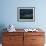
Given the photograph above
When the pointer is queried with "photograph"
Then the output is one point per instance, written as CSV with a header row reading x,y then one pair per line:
x,y
26,14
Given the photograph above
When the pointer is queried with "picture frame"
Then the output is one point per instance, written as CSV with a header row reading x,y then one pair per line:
x,y
26,14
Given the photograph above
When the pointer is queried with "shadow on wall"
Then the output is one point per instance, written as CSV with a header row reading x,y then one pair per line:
x,y
2,26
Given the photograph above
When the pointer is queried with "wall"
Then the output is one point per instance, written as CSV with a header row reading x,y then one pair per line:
x,y
9,13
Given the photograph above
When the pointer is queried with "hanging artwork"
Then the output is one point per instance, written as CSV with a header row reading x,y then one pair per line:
x,y
26,14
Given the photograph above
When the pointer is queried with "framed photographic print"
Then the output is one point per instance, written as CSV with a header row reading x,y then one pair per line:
x,y
26,14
